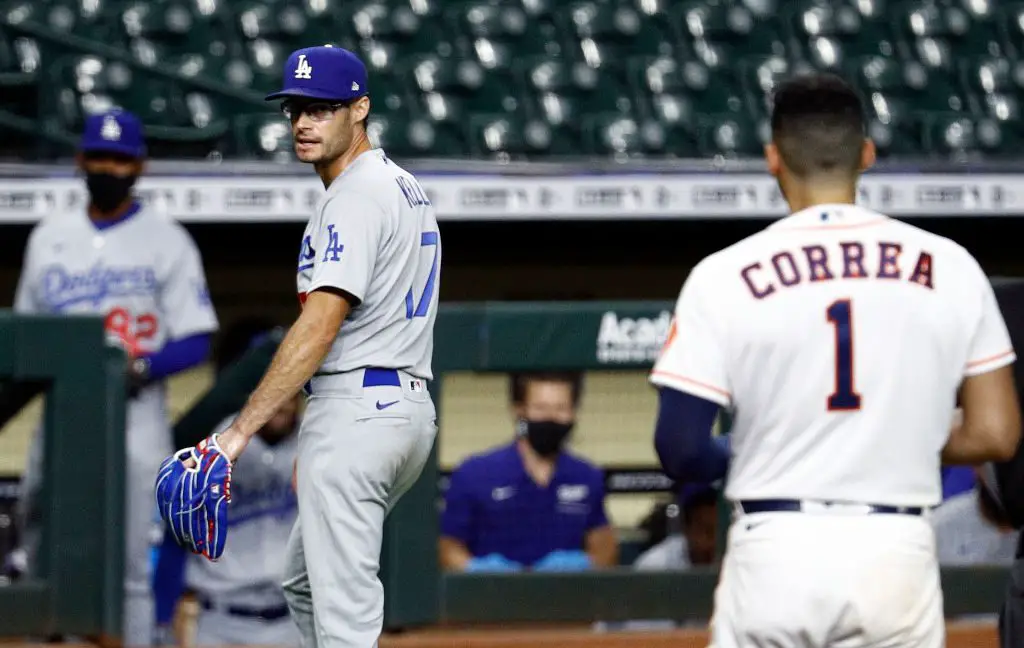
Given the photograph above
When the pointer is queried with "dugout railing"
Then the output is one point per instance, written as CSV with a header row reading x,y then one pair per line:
x,y
503,337
77,586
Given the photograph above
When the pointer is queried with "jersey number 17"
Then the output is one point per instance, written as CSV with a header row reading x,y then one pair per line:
x,y
844,397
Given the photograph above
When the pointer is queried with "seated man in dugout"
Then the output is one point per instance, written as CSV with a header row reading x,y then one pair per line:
x,y
530,503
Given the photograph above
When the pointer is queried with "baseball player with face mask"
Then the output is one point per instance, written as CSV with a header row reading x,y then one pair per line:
x,y
368,273
142,272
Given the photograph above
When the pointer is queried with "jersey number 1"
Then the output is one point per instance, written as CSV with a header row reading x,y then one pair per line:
x,y
845,397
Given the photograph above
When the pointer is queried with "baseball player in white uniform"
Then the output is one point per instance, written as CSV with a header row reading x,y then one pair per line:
x,y
840,339
142,272
368,270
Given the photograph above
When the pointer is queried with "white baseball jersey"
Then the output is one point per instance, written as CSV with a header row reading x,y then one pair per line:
x,y
839,338
144,275
260,518
375,237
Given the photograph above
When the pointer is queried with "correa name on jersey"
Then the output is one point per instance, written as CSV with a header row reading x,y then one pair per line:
x,y
826,262
628,339
63,288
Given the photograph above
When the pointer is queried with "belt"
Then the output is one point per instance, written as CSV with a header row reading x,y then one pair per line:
x,y
798,506
372,377
266,614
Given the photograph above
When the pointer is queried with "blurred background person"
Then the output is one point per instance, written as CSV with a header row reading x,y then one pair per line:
x,y
530,503
972,528
239,599
692,528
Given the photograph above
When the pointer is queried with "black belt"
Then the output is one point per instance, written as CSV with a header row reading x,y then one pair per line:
x,y
797,506
267,614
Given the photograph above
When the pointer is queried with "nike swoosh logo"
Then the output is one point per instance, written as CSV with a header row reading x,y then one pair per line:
x,y
381,405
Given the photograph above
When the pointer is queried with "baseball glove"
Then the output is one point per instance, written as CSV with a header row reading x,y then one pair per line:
x,y
193,489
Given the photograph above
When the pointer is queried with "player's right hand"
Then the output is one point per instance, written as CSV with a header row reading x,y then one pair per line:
x,y
493,562
193,489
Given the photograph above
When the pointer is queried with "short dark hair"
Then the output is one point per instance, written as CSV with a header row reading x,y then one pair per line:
x,y
818,125
519,381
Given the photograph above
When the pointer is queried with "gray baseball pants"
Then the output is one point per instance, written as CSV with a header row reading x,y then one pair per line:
x,y
364,439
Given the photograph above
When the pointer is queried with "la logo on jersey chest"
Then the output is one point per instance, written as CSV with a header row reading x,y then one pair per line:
x,y
820,262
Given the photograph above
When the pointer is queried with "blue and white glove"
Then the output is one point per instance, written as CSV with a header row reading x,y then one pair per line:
x,y
193,489
493,562
562,560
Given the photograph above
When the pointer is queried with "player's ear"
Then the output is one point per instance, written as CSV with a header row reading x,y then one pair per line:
x,y
360,109
771,156
868,154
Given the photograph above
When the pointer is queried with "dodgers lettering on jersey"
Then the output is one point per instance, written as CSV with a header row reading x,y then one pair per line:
x,y
144,275
261,515
375,236
839,337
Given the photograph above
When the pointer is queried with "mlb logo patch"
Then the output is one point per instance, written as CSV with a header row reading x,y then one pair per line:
x,y
416,386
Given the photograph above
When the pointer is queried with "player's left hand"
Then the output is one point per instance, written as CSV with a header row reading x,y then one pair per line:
x,y
193,489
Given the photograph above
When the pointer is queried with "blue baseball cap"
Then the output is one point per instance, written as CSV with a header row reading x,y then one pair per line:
x,y
114,131
325,72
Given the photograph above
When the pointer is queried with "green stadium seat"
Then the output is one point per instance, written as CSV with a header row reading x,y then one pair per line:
x,y
761,75
926,88
893,125
266,59
733,27
965,29
960,136
676,117
159,31
499,32
730,136
403,137
412,32
264,136
1010,18
508,137
88,83
834,31
475,88
616,31
598,89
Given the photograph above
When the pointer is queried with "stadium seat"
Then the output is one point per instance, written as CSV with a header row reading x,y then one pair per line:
x,y
960,136
161,31
926,88
263,136
498,32
761,75
965,29
894,126
596,90
734,27
465,80
509,137
403,137
614,31
729,136
414,28
835,31
1010,18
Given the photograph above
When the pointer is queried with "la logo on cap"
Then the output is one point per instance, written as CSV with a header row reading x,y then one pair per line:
x,y
355,87
111,130
303,70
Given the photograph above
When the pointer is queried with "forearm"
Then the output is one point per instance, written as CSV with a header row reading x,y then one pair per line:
x,y
602,547
454,555
971,445
297,358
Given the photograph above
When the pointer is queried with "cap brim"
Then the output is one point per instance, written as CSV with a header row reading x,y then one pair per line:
x,y
307,94
114,147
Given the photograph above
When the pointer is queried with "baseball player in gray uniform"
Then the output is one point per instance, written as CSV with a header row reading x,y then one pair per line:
x,y
141,271
240,597
368,273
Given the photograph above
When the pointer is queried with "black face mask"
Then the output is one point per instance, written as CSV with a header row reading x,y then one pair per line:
x,y
545,437
107,191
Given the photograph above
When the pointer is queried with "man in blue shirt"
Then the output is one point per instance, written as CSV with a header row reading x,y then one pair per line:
x,y
530,503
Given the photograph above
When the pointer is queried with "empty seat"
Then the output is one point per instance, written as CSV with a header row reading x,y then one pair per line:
x,y
732,26
924,88
159,31
495,31
265,136
967,29
411,33
402,136
598,90
509,137
960,136
618,30
894,125
476,88
835,31
730,136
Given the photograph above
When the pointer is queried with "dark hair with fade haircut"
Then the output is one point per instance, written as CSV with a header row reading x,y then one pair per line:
x,y
818,125
518,381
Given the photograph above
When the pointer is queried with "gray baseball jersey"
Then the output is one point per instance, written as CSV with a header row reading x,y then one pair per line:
x,y
145,276
365,435
260,518
375,236
964,537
